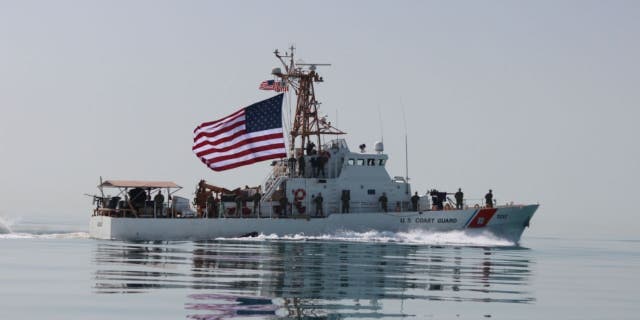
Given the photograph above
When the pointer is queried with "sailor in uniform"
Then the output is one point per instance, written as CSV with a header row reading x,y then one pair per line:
x,y
318,200
459,198
414,201
158,200
383,201
489,199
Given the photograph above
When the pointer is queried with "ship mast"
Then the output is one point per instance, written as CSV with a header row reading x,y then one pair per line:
x,y
306,122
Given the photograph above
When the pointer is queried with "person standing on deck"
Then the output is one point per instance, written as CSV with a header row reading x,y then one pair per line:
x,y
158,201
489,199
292,166
346,197
459,198
301,165
318,200
414,201
322,161
284,203
383,201
211,206
256,203
314,166
311,148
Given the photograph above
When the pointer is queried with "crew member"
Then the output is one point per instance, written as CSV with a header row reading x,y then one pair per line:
x,y
459,198
211,206
292,166
442,197
239,201
434,199
321,162
256,203
438,198
346,197
311,148
301,164
414,201
489,199
383,201
318,200
158,200
284,203
314,167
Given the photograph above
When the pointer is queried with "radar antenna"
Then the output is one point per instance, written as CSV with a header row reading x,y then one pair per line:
x,y
301,77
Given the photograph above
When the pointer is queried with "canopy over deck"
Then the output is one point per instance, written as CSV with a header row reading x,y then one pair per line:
x,y
138,184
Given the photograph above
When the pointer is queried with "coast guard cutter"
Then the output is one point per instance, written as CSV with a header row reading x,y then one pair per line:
x,y
318,186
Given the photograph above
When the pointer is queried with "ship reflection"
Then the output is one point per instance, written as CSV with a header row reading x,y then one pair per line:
x,y
312,280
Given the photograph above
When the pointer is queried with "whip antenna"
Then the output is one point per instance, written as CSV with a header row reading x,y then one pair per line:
x,y
380,122
406,145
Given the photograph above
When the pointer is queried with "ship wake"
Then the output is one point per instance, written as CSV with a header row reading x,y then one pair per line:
x,y
458,238
7,232
4,226
61,235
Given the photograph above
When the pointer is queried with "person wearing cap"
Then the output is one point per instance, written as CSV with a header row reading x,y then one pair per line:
x,y
158,200
459,198
414,201
489,199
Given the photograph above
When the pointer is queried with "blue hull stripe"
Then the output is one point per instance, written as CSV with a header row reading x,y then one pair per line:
x,y
472,216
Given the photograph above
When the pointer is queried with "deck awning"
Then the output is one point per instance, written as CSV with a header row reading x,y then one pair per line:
x,y
138,184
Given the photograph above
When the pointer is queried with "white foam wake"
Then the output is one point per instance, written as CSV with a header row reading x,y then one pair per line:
x,y
63,235
4,226
411,237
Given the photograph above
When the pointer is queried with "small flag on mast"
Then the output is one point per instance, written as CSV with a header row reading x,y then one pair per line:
x,y
278,86
247,136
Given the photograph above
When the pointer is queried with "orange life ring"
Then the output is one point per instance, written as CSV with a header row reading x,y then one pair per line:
x,y
299,194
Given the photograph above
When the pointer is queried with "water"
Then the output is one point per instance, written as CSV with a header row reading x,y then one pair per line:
x,y
57,272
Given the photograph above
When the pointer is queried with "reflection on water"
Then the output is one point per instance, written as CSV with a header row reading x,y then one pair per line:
x,y
312,279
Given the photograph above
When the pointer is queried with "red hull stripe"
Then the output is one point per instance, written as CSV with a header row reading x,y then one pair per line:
x,y
482,218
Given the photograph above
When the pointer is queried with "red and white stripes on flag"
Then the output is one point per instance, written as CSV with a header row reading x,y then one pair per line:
x,y
278,86
247,136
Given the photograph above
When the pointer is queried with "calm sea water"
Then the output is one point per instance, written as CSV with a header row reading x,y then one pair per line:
x,y
56,272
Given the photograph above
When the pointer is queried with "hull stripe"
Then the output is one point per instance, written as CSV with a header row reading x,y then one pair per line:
x,y
471,218
482,218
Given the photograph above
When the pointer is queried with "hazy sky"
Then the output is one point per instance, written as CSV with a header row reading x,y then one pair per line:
x,y
537,100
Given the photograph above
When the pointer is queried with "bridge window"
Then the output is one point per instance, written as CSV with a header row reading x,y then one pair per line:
x,y
371,191
381,162
351,162
361,162
371,162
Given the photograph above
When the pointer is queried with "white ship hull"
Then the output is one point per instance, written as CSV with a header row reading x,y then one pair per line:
x,y
505,222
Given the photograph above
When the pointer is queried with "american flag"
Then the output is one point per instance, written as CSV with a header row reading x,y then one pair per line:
x,y
273,85
247,136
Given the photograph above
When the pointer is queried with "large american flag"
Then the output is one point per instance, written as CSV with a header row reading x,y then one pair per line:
x,y
273,85
249,135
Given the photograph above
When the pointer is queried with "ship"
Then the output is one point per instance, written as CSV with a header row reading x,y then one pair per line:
x,y
319,186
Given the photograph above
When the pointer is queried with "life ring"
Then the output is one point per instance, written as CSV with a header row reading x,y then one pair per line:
x,y
299,194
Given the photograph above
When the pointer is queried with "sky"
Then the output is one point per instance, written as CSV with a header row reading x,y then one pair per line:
x,y
537,100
